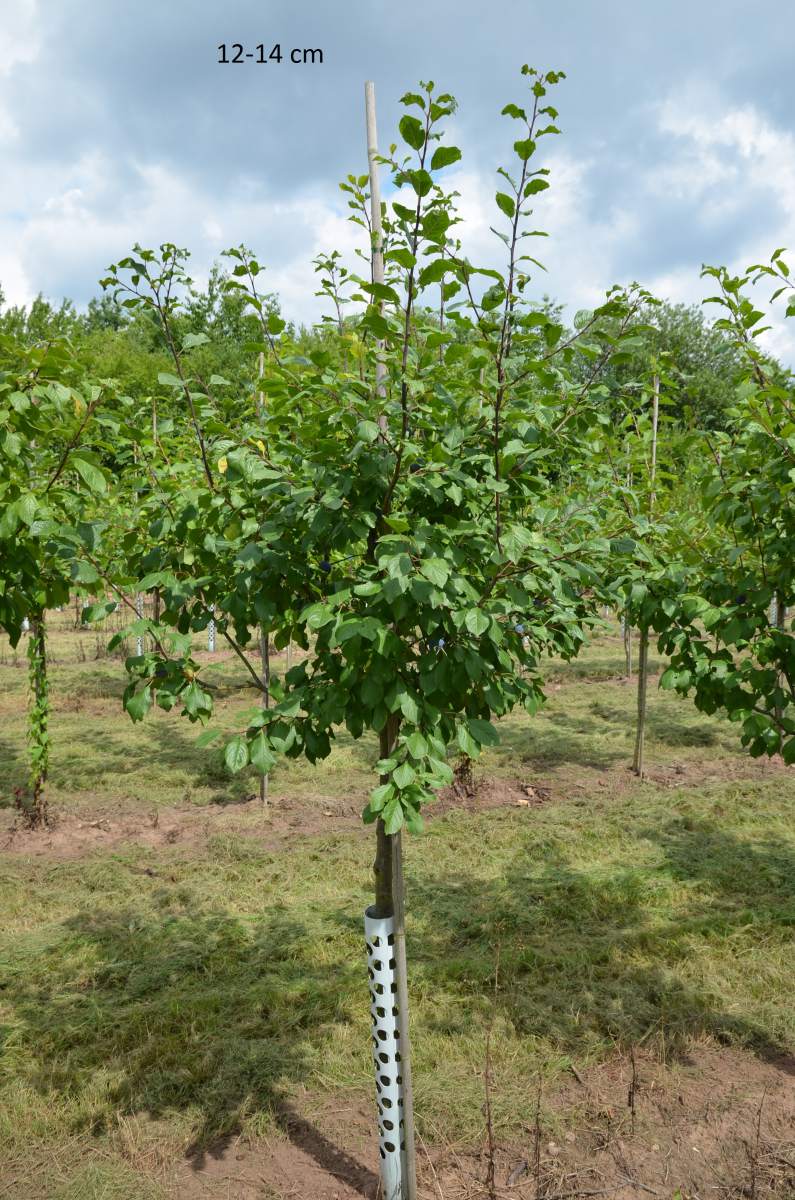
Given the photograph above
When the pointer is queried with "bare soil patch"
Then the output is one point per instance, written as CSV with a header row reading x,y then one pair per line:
x,y
98,826
720,1124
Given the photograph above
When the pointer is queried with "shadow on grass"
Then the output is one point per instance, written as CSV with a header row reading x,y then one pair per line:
x,y
589,958
556,739
663,724
168,750
206,1013
216,1016
86,763
14,772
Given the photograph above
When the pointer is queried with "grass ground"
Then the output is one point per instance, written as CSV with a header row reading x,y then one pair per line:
x,y
182,991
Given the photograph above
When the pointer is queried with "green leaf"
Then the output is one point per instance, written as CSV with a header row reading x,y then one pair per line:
x,y
196,701
416,745
404,775
412,131
83,573
97,612
483,731
236,754
421,181
434,272
466,742
260,754
367,431
402,256
476,621
194,339
139,703
506,203
435,570
207,737
409,707
90,474
524,148
380,795
393,816
444,156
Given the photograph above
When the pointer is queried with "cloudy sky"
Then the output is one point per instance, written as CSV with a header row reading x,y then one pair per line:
x,y
117,124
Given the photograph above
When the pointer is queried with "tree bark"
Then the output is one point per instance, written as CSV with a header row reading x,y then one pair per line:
x,y
265,655
643,669
34,810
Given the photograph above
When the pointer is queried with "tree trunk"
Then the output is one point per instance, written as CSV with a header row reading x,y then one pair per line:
x,y
643,669
627,632
34,807
781,622
265,655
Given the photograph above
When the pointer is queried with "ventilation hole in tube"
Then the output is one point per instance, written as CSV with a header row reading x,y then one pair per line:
x,y
381,1035
394,1010
386,1102
379,989
390,1146
370,973
384,1058
369,947
381,1151
391,964
397,1056
400,1080
388,1124
385,1080
391,940
382,1011
393,987
402,1145
378,964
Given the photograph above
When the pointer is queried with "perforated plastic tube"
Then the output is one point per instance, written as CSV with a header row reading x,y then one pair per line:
x,y
379,934
139,612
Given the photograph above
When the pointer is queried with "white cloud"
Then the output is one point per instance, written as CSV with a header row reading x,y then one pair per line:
x,y
90,220
20,44
722,160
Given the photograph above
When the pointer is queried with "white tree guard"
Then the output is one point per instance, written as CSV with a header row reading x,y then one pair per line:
x,y
379,934
139,612
211,635
25,625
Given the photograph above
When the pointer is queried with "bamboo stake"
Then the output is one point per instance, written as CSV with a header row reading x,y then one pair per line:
x,y
377,249
397,888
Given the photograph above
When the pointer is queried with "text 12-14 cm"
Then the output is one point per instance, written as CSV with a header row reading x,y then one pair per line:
x,y
235,52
